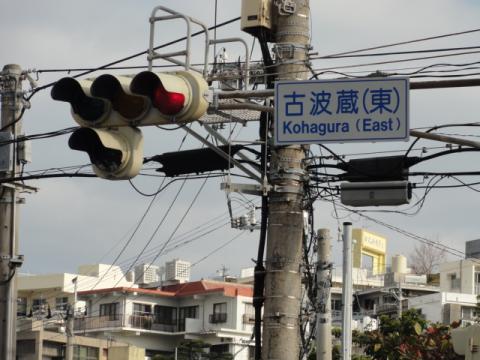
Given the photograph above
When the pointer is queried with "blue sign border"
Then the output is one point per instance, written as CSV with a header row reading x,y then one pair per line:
x,y
405,137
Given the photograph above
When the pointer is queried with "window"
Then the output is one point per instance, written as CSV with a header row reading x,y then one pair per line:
x,y
468,313
249,309
220,308
165,315
369,304
249,315
187,312
454,282
336,304
219,313
219,349
367,263
39,304
61,303
109,311
142,309
22,306
85,353
477,283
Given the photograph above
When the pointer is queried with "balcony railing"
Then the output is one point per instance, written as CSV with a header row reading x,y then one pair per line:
x,y
218,318
99,322
387,308
145,322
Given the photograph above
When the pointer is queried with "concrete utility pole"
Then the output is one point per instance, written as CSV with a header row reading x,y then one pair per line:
x,y
347,292
71,322
11,105
324,307
281,335
400,298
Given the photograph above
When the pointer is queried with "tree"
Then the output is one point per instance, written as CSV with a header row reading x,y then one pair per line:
x,y
410,337
425,257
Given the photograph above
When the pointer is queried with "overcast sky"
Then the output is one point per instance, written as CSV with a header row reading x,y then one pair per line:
x,y
76,221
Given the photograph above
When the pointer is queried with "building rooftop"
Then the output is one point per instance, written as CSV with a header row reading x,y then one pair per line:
x,y
187,289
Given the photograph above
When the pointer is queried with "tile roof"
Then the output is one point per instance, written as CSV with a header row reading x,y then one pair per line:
x,y
187,289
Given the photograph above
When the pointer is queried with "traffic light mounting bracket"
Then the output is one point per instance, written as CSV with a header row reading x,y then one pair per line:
x,y
247,55
152,54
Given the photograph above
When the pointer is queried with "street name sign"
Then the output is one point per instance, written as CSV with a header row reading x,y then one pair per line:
x,y
345,110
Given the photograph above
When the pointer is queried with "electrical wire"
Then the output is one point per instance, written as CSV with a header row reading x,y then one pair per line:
x,y
145,52
434,37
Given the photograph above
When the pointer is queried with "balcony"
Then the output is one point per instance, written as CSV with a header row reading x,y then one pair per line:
x,y
98,322
218,318
145,322
386,309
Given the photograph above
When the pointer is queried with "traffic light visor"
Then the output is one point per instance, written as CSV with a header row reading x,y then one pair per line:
x,y
116,90
167,92
90,110
89,140
115,153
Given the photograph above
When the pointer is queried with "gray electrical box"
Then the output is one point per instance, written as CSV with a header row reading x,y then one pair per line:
x,y
377,193
257,17
6,158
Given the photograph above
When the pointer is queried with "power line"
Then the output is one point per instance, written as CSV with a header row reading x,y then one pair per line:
x,y
102,67
435,37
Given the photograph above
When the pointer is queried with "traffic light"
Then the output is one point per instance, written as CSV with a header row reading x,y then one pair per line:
x,y
115,154
147,98
110,107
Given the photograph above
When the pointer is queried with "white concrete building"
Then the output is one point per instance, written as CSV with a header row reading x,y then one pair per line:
x,y
218,313
446,307
462,276
457,301
38,293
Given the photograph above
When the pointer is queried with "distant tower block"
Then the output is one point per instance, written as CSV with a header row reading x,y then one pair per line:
x,y
472,249
177,270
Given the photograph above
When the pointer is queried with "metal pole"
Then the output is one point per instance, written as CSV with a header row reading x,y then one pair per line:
x,y
70,323
10,89
400,298
324,308
347,292
281,320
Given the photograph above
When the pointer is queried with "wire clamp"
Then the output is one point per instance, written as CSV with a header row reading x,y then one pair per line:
x,y
286,7
287,50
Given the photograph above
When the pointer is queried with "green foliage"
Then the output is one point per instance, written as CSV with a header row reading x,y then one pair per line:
x,y
337,332
336,352
410,337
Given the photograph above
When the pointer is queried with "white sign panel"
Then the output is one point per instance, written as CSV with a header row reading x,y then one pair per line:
x,y
321,111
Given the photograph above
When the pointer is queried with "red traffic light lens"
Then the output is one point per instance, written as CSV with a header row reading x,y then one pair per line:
x,y
169,103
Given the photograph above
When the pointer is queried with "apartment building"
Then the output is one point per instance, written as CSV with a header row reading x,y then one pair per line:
x,y
49,294
218,313
34,342
376,294
460,288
